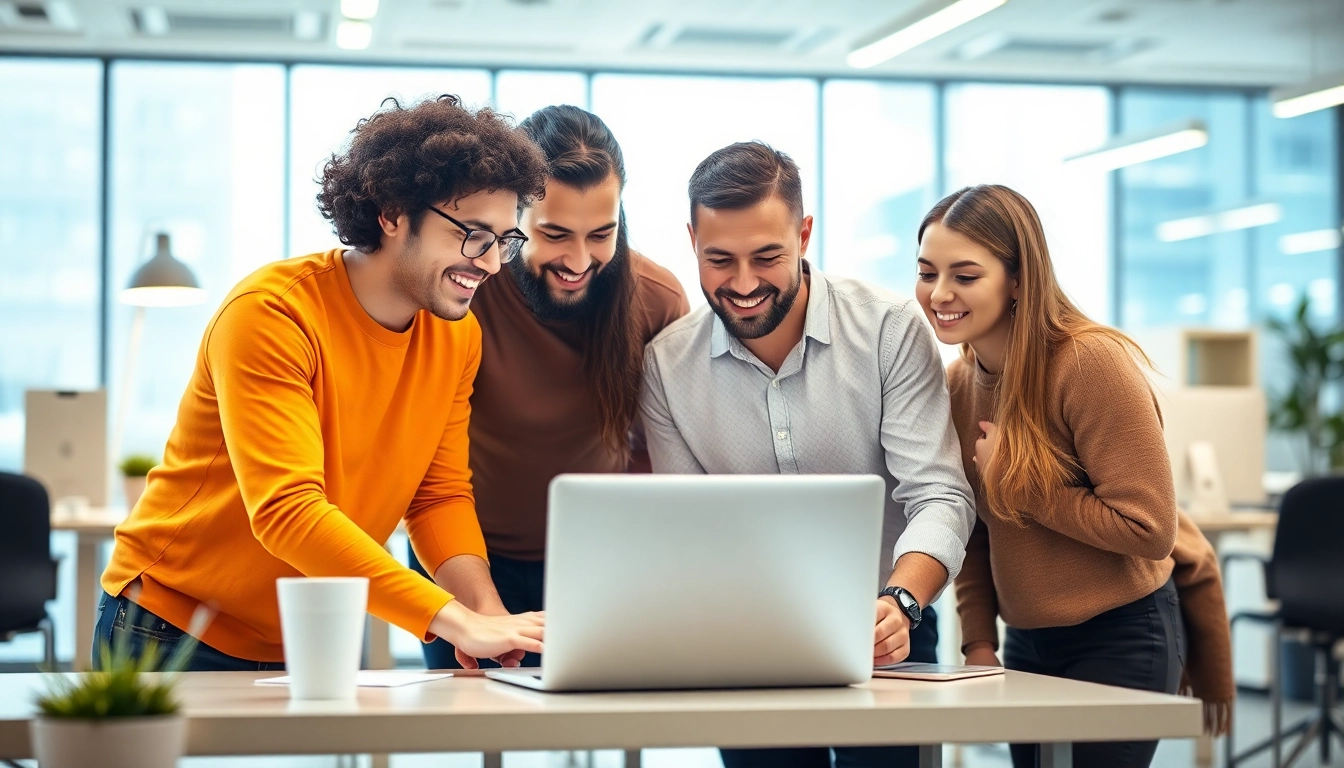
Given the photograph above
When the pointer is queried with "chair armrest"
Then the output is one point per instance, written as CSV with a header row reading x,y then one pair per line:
x,y
1260,617
55,577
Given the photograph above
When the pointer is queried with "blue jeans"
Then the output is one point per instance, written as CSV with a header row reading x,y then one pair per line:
x,y
520,587
121,621
923,647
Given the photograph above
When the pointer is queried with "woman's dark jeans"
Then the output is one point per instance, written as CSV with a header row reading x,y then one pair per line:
x,y
1139,646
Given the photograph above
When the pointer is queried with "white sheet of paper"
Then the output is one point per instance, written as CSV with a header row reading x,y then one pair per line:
x,y
374,678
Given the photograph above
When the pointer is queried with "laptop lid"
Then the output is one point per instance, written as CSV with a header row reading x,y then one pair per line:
x,y
710,581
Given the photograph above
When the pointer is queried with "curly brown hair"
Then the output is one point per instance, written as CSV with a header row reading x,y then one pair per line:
x,y
405,159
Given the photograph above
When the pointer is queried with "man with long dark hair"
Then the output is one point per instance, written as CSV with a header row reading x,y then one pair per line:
x,y
564,326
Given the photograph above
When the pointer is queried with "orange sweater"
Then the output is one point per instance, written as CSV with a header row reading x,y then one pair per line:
x,y
306,433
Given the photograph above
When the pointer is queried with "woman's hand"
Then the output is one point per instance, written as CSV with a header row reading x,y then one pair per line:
x,y
985,447
982,655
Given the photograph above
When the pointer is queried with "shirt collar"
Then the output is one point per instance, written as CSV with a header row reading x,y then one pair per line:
x,y
816,324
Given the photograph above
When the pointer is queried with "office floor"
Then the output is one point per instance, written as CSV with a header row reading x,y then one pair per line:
x,y
1252,714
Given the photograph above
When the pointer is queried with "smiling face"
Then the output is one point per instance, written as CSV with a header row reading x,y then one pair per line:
x,y
751,263
571,242
965,290
430,270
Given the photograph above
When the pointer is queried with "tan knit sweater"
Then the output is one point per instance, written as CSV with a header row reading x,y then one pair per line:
x,y
1100,542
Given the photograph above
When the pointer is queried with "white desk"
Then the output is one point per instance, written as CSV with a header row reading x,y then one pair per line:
x,y
1237,521
230,716
92,528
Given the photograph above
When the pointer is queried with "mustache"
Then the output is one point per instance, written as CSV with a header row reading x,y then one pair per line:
x,y
555,268
760,293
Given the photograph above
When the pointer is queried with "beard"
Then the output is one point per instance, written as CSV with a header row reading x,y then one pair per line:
x,y
427,291
602,286
760,325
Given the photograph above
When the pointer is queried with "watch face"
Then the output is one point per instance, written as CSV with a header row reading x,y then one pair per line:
x,y
908,603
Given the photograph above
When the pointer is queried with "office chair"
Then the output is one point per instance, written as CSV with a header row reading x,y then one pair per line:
x,y
27,569
1304,575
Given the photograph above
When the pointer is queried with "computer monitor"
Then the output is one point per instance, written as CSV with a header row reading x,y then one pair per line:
x,y
1229,420
65,443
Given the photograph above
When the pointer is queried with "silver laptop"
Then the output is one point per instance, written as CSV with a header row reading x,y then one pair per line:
x,y
708,581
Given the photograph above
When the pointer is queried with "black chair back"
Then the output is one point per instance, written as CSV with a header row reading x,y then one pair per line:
x,y
27,572
1307,570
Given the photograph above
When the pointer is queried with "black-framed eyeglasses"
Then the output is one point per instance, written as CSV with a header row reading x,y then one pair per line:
x,y
476,242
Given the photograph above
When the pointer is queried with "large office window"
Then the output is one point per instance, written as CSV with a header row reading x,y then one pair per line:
x,y
50,214
197,153
1296,257
522,92
325,105
667,125
49,230
1179,265
1295,164
1019,136
879,177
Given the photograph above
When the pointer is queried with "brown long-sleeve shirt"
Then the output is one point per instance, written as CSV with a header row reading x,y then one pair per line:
x,y
533,411
1100,542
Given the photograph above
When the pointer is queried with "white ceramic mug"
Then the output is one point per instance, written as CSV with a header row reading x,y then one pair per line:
x,y
322,623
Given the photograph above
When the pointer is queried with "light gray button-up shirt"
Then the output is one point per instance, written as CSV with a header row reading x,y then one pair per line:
x,y
863,392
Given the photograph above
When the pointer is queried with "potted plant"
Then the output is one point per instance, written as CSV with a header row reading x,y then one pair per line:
x,y
124,715
134,470
1316,363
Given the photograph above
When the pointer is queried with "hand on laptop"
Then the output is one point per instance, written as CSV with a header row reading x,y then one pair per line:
x,y
891,639
480,636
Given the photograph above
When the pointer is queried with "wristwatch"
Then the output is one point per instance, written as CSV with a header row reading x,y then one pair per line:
x,y
906,602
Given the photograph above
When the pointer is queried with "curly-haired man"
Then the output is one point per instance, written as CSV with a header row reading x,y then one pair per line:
x,y
330,400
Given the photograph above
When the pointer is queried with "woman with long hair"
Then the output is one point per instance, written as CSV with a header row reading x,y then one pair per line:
x,y
1079,545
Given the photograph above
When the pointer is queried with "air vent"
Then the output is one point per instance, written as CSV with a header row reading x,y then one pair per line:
x,y
167,22
678,37
160,22
35,13
1000,47
52,17
719,37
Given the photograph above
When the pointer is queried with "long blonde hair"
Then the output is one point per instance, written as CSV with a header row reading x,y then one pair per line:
x,y
1027,464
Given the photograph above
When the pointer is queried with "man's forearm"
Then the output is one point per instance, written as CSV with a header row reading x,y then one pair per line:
x,y
467,578
921,575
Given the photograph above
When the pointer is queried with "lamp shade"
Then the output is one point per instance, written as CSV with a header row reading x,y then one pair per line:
x,y
163,281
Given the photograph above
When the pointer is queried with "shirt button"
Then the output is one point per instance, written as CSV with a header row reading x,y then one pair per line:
x,y
781,434
775,383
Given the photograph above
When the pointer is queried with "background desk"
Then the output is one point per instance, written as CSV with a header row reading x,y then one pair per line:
x,y
231,716
1244,521
91,528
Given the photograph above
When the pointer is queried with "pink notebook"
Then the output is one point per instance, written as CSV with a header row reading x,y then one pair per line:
x,y
913,670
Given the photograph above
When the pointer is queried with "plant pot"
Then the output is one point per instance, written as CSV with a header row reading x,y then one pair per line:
x,y
116,742
134,486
